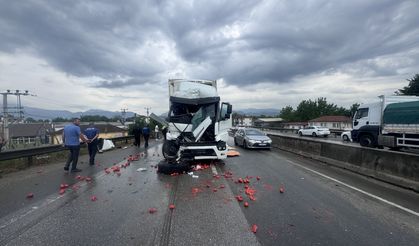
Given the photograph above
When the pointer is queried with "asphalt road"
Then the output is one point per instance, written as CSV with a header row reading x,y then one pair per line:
x,y
319,205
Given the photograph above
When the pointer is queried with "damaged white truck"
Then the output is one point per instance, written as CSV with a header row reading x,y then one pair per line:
x,y
197,122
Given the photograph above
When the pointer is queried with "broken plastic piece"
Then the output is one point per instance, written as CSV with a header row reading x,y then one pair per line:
x,y
141,169
29,195
195,176
232,153
254,228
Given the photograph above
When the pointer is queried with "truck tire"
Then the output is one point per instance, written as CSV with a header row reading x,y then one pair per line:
x,y
169,150
169,168
366,141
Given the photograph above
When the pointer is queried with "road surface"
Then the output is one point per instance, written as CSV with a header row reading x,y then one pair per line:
x,y
320,205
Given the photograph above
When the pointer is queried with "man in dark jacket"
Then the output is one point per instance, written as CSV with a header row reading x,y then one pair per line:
x,y
146,135
92,134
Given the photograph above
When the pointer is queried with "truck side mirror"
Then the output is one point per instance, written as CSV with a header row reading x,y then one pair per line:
x,y
226,110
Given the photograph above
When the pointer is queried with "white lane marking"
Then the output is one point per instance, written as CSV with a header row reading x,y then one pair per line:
x,y
214,170
359,190
52,200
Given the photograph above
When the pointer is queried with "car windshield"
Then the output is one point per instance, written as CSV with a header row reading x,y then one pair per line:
x,y
253,132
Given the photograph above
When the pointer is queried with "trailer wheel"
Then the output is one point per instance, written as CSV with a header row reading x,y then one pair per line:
x,y
366,141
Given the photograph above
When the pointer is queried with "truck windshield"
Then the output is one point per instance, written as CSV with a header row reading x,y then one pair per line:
x,y
202,114
361,113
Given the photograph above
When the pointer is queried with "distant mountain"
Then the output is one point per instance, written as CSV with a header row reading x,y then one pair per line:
x,y
44,114
258,112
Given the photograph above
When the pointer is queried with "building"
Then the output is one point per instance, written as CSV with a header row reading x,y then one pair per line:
x,y
332,122
106,130
268,122
29,134
293,125
243,121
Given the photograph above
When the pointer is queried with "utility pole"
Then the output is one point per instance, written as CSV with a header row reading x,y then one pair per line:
x,y
147,119
6,109
124,113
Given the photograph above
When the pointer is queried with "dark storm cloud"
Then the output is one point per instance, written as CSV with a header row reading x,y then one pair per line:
x,y
245,42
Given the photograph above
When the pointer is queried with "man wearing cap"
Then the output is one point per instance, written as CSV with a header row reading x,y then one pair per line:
x,y
71,138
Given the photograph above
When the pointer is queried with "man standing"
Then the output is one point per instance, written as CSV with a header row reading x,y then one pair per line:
x,y
137,135
156,131
146,134
92,134
71,139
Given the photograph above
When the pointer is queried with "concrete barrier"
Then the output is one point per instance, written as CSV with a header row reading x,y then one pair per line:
x,y
397,168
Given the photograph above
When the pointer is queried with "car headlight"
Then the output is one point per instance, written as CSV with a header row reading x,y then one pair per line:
x,y
252,141
269,141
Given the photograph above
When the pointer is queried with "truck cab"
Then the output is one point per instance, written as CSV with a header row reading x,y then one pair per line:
x,y
197,121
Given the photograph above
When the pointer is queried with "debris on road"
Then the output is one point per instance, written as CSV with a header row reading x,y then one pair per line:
x,y
233,153
246,204
93,198
152,210
172,206
29,195
63,186
88,179
62,191
281,189
141,169
254,228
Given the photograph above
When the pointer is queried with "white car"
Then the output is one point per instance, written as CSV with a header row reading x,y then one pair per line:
x,y
314,131
346,136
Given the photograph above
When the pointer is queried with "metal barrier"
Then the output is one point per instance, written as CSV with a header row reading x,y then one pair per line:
x,y
16,154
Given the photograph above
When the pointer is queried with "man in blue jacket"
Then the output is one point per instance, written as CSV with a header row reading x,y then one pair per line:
x,y
71,138
92,134
146,135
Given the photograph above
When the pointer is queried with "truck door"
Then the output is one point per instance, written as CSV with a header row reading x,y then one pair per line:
x,y
224,123
361,118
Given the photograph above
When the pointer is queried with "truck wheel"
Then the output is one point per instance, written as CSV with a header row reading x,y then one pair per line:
x,y
314,134
366,141
169,168
170,149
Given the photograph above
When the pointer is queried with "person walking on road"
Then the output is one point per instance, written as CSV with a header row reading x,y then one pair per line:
x,y
71,139
146,135
92,134
137,135
156,131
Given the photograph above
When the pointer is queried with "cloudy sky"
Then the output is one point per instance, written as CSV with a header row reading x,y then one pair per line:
x,y
79,55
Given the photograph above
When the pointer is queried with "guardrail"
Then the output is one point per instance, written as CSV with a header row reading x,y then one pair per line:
x,y
31,152
336,132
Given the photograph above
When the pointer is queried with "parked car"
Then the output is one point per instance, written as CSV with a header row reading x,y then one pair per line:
x,y
252,138
346,136
314,131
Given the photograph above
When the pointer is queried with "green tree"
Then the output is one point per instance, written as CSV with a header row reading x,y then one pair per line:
x,y
30,120
413,87
287,113
353,109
